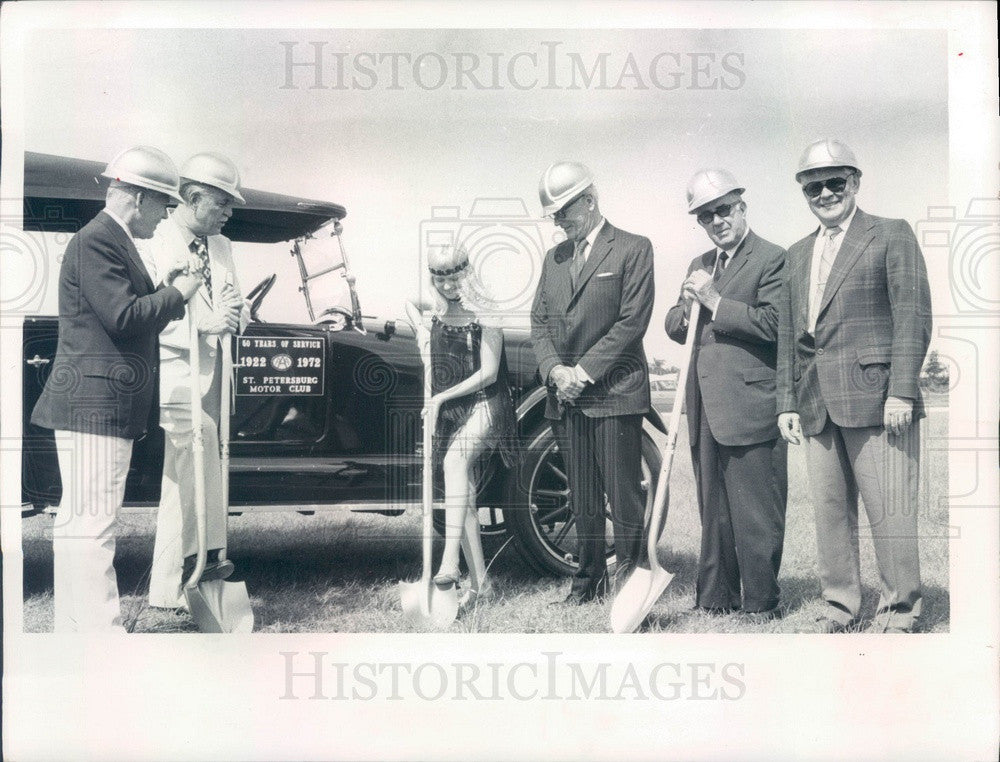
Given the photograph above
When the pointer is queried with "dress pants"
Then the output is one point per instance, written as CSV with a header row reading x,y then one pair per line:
x,y
742,492
884,468
93,468
603,456
176,523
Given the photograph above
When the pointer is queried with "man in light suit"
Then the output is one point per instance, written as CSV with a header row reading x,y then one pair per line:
x,y
588,319
854,327
101,394
209,188
738,455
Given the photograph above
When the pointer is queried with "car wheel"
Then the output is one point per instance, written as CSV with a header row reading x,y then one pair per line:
x,y
542,521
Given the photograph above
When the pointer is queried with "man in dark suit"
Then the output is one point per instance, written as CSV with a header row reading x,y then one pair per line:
x,y
101,394
738,455
854,327
588,319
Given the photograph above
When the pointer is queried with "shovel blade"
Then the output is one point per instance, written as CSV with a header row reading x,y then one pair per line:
x,y
427,608
637,596
222,607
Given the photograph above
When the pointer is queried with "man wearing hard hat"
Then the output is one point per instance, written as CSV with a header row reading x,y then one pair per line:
x,y
209,186
588,319
102,392
853,331
738,455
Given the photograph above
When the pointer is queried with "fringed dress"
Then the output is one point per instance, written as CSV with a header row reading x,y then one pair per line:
x,y
455,355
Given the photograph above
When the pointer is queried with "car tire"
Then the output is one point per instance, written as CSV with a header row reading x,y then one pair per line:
x,y
541,520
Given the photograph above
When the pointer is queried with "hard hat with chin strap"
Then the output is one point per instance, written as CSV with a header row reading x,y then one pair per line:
x,y
145,167
561,183
826,154
708,185
213,169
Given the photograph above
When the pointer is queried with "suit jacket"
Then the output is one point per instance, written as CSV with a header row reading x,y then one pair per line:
x,y
872,333
600,324
168,245
104,379
733,366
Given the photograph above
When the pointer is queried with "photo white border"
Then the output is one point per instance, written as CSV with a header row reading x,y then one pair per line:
x,y
807,697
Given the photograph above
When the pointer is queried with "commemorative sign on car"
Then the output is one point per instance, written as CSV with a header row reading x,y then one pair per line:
x,y
277,365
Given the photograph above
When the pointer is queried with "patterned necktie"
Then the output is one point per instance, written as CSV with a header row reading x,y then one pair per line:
x,y
578,262
199,246
828,255
720,265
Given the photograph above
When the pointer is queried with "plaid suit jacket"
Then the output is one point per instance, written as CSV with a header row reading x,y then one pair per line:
x,y
598,325
872,333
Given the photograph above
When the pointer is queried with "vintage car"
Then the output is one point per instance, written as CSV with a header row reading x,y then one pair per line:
x,y
327,413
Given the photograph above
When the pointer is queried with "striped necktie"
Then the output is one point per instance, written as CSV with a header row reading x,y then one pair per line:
x,y
578,262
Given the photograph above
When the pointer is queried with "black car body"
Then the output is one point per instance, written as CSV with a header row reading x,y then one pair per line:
x,y
355,444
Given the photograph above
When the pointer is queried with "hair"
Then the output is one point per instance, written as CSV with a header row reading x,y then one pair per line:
x,y
191,188
119,190
471,293
591,190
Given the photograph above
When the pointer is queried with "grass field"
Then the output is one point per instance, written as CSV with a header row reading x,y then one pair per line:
x,y
338,571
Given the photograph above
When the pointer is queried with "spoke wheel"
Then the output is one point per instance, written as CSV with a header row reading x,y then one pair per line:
x,y
542,519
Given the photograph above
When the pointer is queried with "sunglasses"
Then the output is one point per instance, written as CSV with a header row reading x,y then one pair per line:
x,y
833,184
723,210
562,212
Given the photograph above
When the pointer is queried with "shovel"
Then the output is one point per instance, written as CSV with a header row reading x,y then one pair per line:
x,y
215,605
425,607
644,588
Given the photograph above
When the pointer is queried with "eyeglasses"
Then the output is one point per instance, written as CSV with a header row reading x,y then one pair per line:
x,y
723,210
562,212
833,184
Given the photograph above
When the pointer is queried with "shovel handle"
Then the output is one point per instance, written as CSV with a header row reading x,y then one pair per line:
x,y
663,481
226,347
197,450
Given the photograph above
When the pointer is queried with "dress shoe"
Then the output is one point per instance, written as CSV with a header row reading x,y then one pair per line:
x,y
762,617
446,580
579,596
214,568
716,610
879,628
824,626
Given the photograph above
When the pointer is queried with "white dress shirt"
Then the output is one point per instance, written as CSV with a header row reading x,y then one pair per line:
x,y
817,257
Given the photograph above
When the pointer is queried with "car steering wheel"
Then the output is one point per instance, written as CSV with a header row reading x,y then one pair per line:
x,y
257,294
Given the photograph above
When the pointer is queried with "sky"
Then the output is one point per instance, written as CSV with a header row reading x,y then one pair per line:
x,y
411,160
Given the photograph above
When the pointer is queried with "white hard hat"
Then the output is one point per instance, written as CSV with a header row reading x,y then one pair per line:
x,y
709,184
561,183
145,167
827,153
213,169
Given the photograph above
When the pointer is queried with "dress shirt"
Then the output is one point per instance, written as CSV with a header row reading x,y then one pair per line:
x,y
817,256
581,375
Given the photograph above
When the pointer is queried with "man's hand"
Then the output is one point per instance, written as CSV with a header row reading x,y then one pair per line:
x,y
221,320
187,284
790,427
567,384
699,285
897,415
230,297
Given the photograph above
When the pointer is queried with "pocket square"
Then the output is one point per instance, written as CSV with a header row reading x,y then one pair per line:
x,y
605,275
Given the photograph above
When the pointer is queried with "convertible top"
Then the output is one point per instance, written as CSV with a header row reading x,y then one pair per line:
x,y
61,194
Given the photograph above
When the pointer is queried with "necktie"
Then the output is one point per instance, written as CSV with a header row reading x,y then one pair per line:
x,y
578,262
828,255
199,246
720,265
